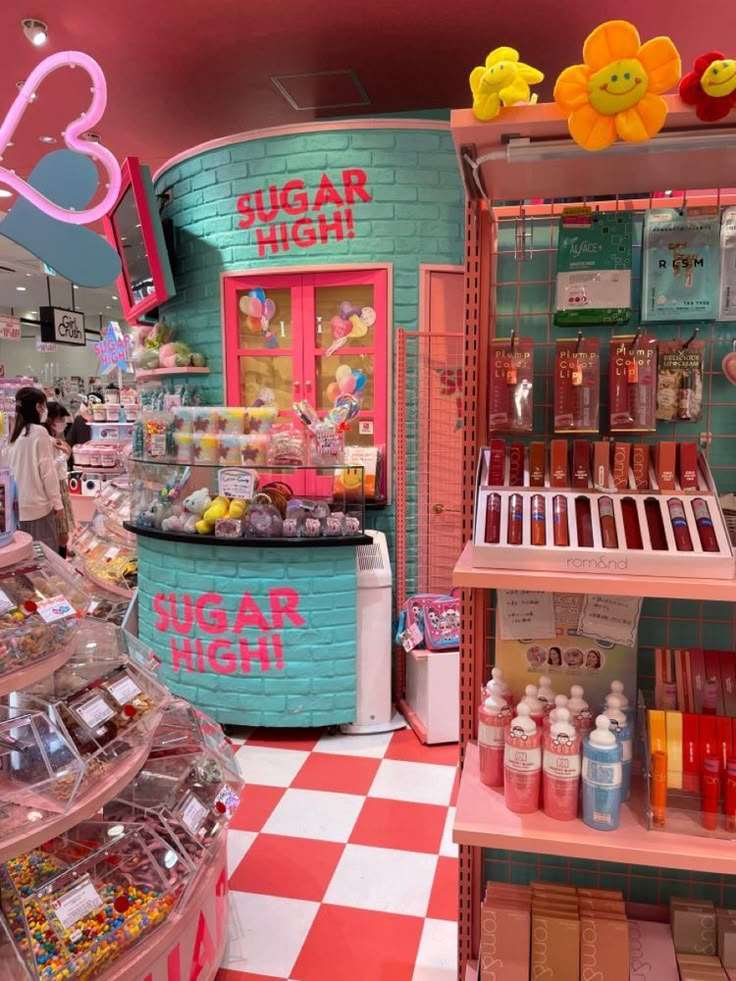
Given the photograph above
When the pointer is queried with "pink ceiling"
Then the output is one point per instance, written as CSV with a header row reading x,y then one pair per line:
x,y
180,73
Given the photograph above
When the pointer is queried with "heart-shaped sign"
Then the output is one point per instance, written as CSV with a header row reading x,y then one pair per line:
x,y
340,328
72,137
729,365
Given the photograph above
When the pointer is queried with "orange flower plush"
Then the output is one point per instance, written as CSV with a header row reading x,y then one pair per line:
x,y
616,92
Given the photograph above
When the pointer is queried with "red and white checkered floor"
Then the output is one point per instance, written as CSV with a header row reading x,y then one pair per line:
x,y
341,862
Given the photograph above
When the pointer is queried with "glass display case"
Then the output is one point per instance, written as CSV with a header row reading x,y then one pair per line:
x,y
104,551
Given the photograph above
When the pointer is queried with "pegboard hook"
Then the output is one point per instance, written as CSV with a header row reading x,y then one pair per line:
x,y
580,341
635,340
691,338
513,340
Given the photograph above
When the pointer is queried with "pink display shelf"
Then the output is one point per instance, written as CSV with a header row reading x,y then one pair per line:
x,y
19,549
465,574
153,373
482,819
31,673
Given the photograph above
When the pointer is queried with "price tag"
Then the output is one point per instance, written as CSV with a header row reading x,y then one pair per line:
x,y
236,482
5,603
123,689
227,799
111,553
75,904
192,813
411,637
157,444
56,608
94,711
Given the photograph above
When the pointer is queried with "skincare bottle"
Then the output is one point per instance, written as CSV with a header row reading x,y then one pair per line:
x,y
617,688
561,768
560,702
536,708
499,687
622,731
545,694
494,718
582,717
522,763
602,777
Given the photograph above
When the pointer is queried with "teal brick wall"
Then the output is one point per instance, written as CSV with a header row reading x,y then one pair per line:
x,y
238,678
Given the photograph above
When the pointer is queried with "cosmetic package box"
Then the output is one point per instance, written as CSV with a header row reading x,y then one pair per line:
x,y
505,932
700,967
569,524
651,952
693,923
726,937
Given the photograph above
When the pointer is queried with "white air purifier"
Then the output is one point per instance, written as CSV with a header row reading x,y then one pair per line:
x,y
374,710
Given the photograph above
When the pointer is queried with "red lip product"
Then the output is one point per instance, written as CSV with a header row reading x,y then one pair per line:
x,y
493,519
560,528
608,523
690,752
602,465
632,531
577,385
516,465
655,524
537,454
710,790
581,464
666,456
511,383
497,463
621,455
539,521
516,519
558,464
704,524
687,466
640,465
679,525
584,522
731,795
632,379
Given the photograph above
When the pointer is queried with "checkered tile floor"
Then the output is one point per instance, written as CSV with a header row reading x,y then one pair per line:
x,y
341,862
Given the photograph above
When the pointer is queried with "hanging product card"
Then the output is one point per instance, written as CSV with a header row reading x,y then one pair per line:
x,y
192,813
594,256
524,614
512,380
632,373
123,689
55,608
5,603
227,801
93,711
680,264
680,381
727,286
577,385
611,618
76,903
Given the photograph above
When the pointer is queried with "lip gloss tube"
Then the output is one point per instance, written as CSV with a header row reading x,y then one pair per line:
x,y
632,531
516,520
655,524
704,524
711,782
539,521
516,465
584,522
560,529
493,519
679,525
608,523
731,795
659,788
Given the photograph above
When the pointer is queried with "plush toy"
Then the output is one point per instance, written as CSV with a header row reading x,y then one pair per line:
x,y
217,509
175,354
236,508
503,81
174,521
710,86
194,507
616,92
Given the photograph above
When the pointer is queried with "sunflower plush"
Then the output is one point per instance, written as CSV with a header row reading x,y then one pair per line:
x,y
616,93
503,81
710,86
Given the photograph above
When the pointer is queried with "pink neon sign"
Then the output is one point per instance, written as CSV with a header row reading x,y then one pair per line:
x,y
72,137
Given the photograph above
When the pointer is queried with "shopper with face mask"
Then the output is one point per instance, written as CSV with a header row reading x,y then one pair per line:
x,y
58,419
30,455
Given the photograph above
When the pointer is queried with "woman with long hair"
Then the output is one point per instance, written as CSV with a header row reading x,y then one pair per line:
x,y
30,455
58,419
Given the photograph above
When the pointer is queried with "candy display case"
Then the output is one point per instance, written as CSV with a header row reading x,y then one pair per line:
x,y
105,560
113,510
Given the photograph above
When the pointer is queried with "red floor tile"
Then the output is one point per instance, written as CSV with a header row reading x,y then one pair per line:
x,y
224,974
256,804
399,824
455,789
339,774
296,868
443,899
361,945
286,738
406,746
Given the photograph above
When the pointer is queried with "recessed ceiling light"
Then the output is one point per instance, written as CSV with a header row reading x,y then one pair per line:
x,y
114,297
28,274
21,289
108,308
47,139
36,31
75,286
5,193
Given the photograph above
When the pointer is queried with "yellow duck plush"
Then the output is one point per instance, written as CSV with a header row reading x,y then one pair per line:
x,y
218,509
502,81
236,509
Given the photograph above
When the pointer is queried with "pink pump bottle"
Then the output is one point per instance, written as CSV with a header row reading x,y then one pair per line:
x,y
545,694
536,707
582,717
522,763
494,718
499,687
561,765
560,702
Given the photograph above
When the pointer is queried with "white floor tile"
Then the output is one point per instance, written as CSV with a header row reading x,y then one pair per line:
x,y
315,814
437,955
373,745
238,843
267,933
383,879
448,848
423,783
270,767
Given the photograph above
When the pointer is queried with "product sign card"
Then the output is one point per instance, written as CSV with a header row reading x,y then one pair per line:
x,y
76,903
55,608
123,689
192,813
234,482
611,618
93,711
525,615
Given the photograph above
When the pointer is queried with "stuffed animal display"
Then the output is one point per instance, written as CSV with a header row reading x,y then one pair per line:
x,y
153,347
502,81
710,86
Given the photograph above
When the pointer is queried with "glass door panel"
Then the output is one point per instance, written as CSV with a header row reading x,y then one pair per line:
x,y
274,372
264,318
344,316
334,378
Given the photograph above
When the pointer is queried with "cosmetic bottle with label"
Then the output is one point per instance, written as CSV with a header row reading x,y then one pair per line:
x,y
536,708
494,718
498,686
522,763
561,768
617,689
582,717
622,731
560,702
602,777
545,694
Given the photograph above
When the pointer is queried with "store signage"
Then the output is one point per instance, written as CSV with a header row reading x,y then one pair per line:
x,y
44,347
235,482
232,640
114,350
60,326
295,215
10,328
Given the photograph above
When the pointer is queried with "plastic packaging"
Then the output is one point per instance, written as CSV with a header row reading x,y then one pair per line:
x,y
577,385
602,775
680,381
522,763
511,385
561,768
632,373
622,731
494,718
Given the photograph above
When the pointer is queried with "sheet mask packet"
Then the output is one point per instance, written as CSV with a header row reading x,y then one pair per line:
x,y
511,385
577,385
680,381
594,259
680,264
727,285
632,373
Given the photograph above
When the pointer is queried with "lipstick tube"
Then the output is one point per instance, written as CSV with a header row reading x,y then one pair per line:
x,y
516,465
584,522
655,524
608,523
560,528
710,791
632,531
516,520
539,521
731,795
659,788
679,525
493,519
704,524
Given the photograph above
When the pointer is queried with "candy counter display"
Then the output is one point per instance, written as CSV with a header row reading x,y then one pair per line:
x,y
103,550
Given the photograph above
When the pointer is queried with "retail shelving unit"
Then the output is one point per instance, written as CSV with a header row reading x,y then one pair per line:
x,y
153,373
526,153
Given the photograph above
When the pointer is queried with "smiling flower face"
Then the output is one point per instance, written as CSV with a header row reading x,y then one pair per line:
x,y
710,86
615,93
719,78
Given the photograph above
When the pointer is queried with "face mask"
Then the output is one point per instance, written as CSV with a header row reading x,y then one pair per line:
x,y
43,415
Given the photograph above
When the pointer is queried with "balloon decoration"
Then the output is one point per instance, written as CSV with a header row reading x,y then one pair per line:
x,y
259,313
351,321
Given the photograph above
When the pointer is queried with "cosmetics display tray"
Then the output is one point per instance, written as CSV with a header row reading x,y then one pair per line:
x,y
482,819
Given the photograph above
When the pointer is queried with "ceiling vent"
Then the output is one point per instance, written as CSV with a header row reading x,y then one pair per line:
x,y
322,90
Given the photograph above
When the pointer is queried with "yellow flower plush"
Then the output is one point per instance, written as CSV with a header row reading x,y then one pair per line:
x,y
504,80
616,92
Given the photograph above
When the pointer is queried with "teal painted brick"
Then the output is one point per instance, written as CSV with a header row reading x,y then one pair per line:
x,y
394,192
421,178
373,138
203,179
266,168
215,158
304,161
417,140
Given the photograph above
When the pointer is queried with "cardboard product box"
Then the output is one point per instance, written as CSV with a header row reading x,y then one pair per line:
x,y
673,726
555,946
726,937
651,952
505,933
699,967
693,926
604,948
